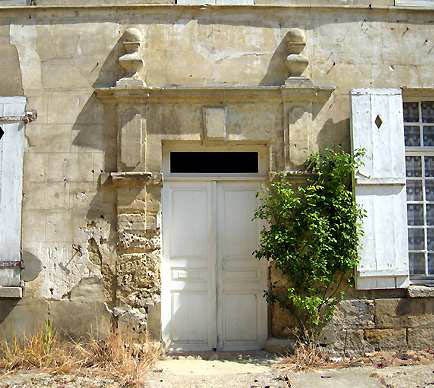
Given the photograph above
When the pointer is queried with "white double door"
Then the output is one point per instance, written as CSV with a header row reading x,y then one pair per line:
x,y
212,285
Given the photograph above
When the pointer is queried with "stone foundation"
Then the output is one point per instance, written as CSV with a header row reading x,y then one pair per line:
x,y
366,325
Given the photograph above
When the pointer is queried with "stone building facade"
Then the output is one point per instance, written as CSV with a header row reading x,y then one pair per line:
x,y
116,85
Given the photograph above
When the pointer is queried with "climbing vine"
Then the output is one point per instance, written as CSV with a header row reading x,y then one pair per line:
x,y
312,236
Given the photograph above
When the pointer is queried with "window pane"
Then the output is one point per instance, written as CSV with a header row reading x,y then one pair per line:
x,y
416,239
414,190
417,263
415,214
428,136
430,214
412,135
413,166
429,190
430,238
411,112
429,166
430,263
428,111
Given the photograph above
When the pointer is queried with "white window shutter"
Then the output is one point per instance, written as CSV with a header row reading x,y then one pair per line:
x,y
377,126
11,176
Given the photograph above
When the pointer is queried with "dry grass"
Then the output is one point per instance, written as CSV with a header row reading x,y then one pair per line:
x,y
307,356
312,356
117,356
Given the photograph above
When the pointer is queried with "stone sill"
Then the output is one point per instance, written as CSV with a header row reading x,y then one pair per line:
x,y
417,291
11,292
308,5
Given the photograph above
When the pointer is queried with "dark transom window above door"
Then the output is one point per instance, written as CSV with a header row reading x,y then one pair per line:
x,y
214,162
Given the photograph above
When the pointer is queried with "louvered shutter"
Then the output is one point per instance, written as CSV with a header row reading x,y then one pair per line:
x,y
377,126
11,175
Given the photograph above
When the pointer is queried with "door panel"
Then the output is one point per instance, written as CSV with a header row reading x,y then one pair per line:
x,y
242,310
188,308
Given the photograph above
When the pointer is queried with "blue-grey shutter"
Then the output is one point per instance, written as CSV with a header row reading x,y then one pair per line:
x,y
377,126
11,176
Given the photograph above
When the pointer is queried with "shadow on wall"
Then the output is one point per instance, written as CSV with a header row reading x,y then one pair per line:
x,y
277,71
96,128
10,76
32,267
335,133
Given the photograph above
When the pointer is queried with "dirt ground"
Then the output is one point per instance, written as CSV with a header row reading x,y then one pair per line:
x,y
231,371
265,371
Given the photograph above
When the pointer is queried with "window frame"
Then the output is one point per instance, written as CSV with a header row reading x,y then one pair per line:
x,y
428,4
421,151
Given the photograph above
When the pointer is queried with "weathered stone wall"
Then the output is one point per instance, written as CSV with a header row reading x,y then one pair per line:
x,y
91,246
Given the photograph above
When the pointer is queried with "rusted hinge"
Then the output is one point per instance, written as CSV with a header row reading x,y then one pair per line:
x,y
26,118
11,264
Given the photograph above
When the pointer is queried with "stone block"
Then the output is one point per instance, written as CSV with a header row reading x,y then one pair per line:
x,y
279,345
354,313
82,195
214,122
11,292
80,167
58,226
46,138
350,342
282,323
421,338
420,292
38,102
388,313
45,195
53,74
91,137
22,318
404,312
88,289
67,108
299,121
131,222
33,225
36,166
154,321
71,167
131,140
80,319
386,338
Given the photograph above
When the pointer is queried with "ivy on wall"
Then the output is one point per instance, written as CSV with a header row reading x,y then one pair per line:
x,y
312,235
